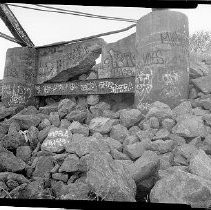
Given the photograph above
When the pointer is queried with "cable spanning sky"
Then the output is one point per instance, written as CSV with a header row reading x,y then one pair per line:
x,y
48,27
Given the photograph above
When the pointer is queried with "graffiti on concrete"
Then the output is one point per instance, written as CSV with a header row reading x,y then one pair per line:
x,y
169,79
143,84
16,93
99,86
153,57
173,38
120,64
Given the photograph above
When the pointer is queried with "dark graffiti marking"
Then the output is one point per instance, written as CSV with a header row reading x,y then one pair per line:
x,y
99,86
173,38
120,64
153,57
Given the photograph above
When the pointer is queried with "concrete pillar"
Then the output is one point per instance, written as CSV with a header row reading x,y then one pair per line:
x,y
19,77
162,61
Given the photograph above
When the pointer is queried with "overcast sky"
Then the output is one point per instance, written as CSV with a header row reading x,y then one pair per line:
x,y
45,28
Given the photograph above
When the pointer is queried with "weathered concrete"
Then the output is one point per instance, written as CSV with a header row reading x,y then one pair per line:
x,y
162,59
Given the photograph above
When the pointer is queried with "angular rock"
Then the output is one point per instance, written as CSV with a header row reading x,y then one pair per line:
x,y
44,123
154,122
93,99
77,127
113,143
191,126
200,165
143,134
43,133
130,117
161,146
168,124
161,134
119,155
177,139
110,114
136,150
54,119
108,179
44,165
159,110
133,130
101,124
165,161
183,108
56,140
65,123
145,166
131,139
26,121
203,83
7,112
9,162
77,115
24,153
119,132
70,164
48,109
81,145
98,109
12,141
183,154
182,188
65,106
76,191
60,177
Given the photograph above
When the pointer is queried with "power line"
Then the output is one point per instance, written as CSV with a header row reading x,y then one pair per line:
x,y
89,37
74,13
88,14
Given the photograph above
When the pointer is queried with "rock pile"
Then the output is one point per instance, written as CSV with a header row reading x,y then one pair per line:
x,y
102,148
84,148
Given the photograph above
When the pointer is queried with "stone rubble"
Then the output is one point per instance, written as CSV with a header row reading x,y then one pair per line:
x,y
100,147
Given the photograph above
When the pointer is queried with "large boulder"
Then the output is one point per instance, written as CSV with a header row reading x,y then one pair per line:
x,y
190,126
43,166
65,106
159,110
26,121
200,164
119,132
81,145
182,188
11,163
203,83
145,166
130,117
101,124
56,140
108,179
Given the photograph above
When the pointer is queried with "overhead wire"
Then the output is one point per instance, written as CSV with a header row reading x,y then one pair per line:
x,y
88,14
89,37
63,11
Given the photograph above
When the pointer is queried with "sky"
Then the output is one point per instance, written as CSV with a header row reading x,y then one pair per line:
x,y
46,28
